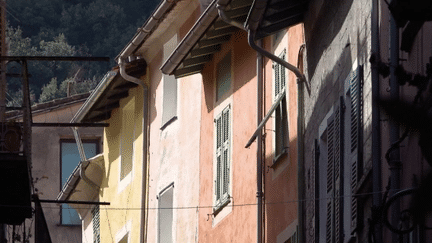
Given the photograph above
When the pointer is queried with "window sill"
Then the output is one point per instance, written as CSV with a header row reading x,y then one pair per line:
x,y
279,158
221,205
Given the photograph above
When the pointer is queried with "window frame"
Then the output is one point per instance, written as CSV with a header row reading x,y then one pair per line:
x,y
95,141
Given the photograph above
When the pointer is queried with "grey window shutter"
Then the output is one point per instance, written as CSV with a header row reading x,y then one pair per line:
x,y
334,179
316,156
355,157
169,99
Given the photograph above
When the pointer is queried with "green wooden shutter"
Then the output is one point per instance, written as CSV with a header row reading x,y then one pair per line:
x,y
223,150
226,151
218,158
279,75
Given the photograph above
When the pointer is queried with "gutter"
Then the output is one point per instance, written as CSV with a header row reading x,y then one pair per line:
x,y
146,29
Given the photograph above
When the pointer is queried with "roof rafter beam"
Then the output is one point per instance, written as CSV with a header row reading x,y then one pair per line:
x,y
214,41
205,51
109,107
197,60
181,72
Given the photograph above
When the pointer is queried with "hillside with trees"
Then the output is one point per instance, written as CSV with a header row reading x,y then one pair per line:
x,y
68,28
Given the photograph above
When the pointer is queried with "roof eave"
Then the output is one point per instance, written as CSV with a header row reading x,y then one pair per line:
x,y
192,37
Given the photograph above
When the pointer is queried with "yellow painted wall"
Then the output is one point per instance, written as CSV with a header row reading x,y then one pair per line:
x,y
125,203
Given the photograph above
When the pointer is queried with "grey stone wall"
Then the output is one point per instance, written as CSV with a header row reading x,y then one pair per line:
x,y
338,39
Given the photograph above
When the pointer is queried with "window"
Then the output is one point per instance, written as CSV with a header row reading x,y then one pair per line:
x,y
223,77
165,215
223,158
96,224
70,159
127,143
339,164
169,112
281,117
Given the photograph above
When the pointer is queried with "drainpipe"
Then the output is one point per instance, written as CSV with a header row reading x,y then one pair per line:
x,y
376,132
300,79
123,74
300,145
395,163
260,194
292,68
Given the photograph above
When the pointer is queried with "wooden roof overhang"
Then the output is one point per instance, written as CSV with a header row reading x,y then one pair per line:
x,y
210,31
107,95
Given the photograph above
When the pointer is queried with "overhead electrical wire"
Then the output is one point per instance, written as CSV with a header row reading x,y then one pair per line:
x,y
105,207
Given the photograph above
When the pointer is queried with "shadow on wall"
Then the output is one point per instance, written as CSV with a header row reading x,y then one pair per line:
x,y
321,30
243,68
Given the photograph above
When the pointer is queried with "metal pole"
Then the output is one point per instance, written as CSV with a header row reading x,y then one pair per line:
x,y
395,163
259,71
376,133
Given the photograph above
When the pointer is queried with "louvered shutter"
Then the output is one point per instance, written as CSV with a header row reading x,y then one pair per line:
x,y
334,180
222,156
316,156
218,159
226,152
355,156
279,75
96,224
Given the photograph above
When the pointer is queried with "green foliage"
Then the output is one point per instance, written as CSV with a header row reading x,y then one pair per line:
x,y
70,28
40,71
53,90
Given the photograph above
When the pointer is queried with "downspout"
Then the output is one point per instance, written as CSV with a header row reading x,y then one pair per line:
x,y
395,162
300,146
123,74
260,194
300,80
376,132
